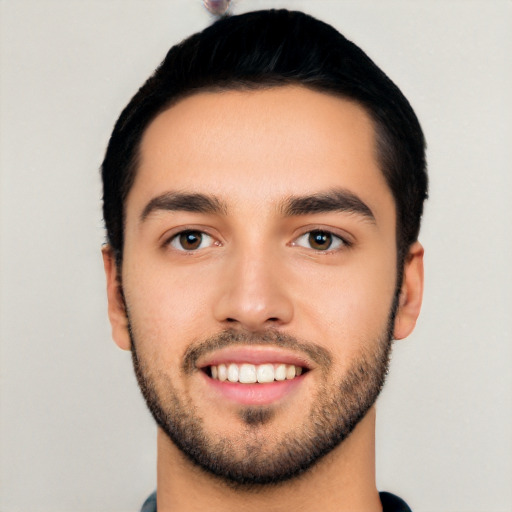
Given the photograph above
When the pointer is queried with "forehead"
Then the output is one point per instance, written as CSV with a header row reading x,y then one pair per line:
x,y
260,145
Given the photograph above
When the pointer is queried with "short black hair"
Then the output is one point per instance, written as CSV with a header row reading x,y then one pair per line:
x,y
264,49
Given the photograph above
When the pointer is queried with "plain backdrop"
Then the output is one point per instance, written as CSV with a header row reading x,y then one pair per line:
x,y
75,435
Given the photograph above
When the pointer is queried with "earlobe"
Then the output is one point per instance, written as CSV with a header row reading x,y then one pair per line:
x,y
116,305
411,293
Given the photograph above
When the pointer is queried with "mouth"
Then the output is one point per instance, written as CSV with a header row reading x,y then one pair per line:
x,y
247,373
254,375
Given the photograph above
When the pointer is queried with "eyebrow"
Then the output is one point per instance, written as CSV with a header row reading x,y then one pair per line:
x,y
338,200
187,202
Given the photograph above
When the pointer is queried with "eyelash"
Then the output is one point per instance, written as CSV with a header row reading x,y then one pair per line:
x,y
176,241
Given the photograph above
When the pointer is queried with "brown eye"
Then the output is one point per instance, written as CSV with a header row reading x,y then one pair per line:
x,y
320,240
191,240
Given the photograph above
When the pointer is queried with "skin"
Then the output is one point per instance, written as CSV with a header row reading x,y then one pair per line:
x,y
253,151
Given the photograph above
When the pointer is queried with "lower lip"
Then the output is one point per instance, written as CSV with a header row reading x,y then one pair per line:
x,y
254,394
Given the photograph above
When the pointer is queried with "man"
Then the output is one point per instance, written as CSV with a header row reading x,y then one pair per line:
x,y
262,195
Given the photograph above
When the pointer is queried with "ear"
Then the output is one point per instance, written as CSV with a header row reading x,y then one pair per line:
x,y
116,305
411,293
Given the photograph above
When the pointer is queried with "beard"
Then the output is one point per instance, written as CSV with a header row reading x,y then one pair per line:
x,y
249,459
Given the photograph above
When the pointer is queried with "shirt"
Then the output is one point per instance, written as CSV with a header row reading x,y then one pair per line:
x,y
390,503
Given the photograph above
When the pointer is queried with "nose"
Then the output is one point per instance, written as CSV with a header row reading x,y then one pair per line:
x,y
253,293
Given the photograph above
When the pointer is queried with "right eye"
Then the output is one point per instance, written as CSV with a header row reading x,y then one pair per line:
x,y
321,240
191,240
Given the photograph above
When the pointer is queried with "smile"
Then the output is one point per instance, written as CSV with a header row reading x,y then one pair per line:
x,y
246,373
253,375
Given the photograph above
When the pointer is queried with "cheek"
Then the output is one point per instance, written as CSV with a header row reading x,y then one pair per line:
x,y
167,310
349,305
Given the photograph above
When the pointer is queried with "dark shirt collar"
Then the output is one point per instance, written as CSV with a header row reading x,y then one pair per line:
x,y
390,503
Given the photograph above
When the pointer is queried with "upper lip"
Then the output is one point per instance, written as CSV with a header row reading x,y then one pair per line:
x,y
253,354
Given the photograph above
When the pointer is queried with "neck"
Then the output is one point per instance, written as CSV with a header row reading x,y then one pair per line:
x,y
342,481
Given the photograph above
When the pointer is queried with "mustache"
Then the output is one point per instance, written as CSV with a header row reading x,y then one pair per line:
x,y
230,337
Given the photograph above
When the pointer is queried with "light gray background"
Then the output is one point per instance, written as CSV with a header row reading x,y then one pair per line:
x,y
75,435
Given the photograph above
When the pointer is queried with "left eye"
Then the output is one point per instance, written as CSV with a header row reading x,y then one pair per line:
x,y
191,240
320,240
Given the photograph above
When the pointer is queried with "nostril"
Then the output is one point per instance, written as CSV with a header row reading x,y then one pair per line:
x,y
274,319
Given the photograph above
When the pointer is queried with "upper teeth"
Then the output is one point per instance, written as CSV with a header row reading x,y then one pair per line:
x,y
250,373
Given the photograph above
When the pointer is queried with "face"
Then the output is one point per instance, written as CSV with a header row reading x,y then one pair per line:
x,y
259,278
